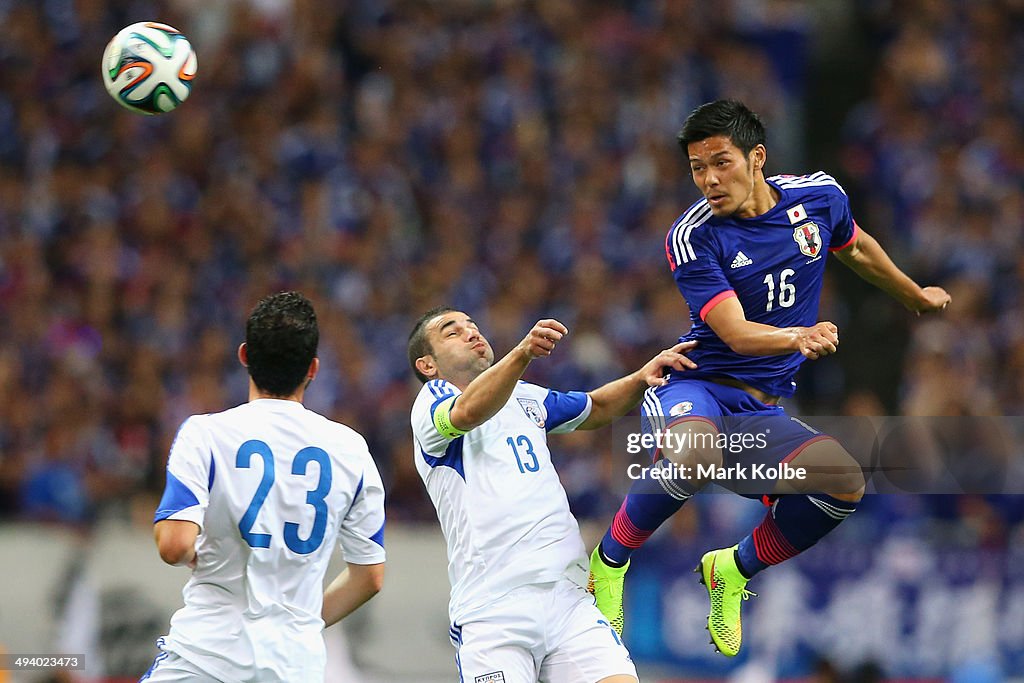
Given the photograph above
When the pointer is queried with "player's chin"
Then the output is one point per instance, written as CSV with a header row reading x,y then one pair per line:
x,y
720,206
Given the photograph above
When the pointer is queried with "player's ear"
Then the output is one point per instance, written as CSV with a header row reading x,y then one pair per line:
x,y
314,368
426,366
243,355
758,156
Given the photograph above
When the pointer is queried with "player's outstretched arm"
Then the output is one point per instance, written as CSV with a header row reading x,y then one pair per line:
x,y
868,259
750,338
486,394
618,397
356,584
176,541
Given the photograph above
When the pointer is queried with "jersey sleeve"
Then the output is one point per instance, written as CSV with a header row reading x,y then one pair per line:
x,y
431,416
566,410
362,530
696,270
189,476
844,227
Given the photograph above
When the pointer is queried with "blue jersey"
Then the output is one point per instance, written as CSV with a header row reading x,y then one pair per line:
x,y
773,263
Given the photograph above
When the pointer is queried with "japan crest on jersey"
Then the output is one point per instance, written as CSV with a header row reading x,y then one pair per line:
x,y
532,410
808,238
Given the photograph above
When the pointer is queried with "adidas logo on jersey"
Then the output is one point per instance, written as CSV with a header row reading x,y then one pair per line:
x,y
741,260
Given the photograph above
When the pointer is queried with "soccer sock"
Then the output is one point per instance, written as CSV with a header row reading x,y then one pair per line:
x,y
792,525
650,501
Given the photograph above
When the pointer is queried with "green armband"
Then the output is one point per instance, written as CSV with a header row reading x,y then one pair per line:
x,y
443,419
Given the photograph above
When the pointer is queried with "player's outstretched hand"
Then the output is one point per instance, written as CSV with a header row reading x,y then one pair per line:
x,y
541,340
819,341
932,299
655,370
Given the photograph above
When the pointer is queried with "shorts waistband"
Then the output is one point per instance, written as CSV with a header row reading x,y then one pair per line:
x,y
761,396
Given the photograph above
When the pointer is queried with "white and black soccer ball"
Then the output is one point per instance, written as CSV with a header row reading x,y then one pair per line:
x,y
148,67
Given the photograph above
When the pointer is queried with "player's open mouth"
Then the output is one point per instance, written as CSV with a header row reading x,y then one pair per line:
x,y
717,199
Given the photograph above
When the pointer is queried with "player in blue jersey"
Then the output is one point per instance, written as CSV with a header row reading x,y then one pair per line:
x,y
749,258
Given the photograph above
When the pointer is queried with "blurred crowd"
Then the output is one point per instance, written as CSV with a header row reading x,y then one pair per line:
x,y
935,161
514,159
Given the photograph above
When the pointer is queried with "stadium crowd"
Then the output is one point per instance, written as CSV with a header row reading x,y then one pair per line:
x,y
516,159
935,155
933,160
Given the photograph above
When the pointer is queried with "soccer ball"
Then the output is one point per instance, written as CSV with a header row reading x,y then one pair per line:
x,y
148,67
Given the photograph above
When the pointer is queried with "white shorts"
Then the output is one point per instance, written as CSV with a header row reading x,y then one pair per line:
x,y
546,633
170,668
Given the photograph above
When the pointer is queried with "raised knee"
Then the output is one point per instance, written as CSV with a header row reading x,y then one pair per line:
x,y
849,484
852,497
831,470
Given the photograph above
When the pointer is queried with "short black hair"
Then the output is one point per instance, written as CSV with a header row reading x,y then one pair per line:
x,y
730,118
281,337
419,345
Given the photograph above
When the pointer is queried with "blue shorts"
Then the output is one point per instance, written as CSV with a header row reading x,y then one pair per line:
x,y
751,432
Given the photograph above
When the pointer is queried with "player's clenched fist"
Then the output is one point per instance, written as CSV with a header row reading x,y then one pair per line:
x,y
541,340
931,300
818,341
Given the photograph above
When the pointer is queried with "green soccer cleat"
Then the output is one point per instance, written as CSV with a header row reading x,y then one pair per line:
x,y
605,583
727,589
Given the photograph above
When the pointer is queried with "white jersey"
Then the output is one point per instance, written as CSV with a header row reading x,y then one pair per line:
x,y
502,508
273,487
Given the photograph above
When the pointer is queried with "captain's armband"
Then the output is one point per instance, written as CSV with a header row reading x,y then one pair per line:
x,y
443,419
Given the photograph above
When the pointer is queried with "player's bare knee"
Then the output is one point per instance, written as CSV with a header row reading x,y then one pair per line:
x,y
830,469
853,497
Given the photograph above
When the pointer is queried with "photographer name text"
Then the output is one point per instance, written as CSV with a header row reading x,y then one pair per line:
x,y
704,472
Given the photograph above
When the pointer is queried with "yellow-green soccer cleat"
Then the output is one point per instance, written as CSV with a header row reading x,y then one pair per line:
x,y
727,590
605,584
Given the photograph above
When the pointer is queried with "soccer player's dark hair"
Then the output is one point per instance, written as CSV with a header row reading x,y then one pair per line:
x,y
281,339
419,345
730,118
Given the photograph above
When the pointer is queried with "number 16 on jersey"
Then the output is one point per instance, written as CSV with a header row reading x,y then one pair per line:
x,y
787,290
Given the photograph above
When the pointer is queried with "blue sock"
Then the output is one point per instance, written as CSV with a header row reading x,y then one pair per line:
x,y
648,504
793,524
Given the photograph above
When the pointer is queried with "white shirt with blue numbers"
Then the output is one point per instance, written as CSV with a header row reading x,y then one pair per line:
x,y
502,508
274,489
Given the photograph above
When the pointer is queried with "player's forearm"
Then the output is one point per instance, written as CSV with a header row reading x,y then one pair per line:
x,y
755,339
486,394
351,589
614,399
749,338
868,259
